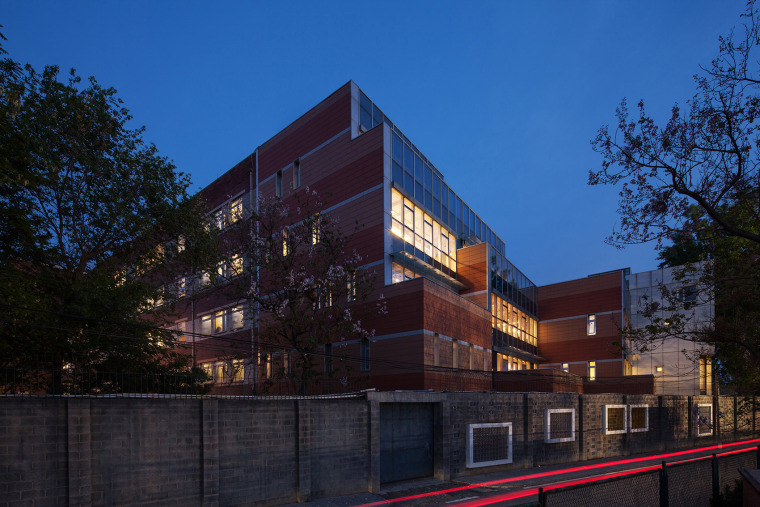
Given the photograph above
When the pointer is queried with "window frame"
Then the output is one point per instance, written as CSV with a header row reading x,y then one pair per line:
x,y
591,324
606,419
646,418
547,425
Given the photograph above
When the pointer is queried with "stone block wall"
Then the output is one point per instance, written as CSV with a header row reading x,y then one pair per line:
x,y
217,451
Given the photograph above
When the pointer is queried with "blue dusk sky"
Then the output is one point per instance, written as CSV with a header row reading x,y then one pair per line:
x,y
502,96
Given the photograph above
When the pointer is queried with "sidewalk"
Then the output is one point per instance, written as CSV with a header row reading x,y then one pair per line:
x,y
431,491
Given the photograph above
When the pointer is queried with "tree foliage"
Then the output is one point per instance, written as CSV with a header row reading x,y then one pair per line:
x,y
86,207
305,288
695,182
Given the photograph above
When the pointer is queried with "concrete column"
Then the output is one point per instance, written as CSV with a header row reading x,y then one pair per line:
x,y
80,453
305,433
210,451
442,441
373,446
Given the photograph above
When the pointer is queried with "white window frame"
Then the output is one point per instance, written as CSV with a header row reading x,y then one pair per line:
x,y
710,422
605,420
547,425
630,418
479,464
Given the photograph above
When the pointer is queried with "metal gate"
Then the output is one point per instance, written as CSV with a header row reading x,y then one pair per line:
x,y
406,441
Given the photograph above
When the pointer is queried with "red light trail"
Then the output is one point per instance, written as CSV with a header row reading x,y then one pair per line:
x,y
534,491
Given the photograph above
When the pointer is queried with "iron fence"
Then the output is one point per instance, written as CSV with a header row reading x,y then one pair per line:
x,y
694,482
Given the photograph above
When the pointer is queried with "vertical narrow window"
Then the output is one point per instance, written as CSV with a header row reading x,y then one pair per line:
x,y
284,242
592,370
315,230
351,288
328,358
286,363
705,374
206,328
472,356
278,184
436,350
236,317
219,321
268,365
364,353
236,210
454,353
297,173
591,324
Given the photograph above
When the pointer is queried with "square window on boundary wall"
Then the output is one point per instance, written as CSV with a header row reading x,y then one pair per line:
x,y
591,324
489,444
615,419
559,425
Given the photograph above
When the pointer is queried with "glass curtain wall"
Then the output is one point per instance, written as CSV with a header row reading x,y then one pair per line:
x,y
422,182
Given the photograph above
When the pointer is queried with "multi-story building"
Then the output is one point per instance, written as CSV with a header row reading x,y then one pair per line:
x,y
680,364
457,309
454,301
581,332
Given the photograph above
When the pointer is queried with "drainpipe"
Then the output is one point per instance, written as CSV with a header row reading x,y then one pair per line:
x,y
253,205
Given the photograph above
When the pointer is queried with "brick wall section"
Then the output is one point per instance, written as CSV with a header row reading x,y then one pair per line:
x,y
137,451
147,450
33,452
339,437
257,443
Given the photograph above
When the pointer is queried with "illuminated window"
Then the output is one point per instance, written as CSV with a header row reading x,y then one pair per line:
x,y
315,230
591,324
658,369
454,353
268,365
284,242
705,375
181,244
221,321
220,372
206,327
566,367
236,210
432,242
592,370
351,288
237,370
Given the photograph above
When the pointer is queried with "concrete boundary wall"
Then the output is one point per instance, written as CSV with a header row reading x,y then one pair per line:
x,y
219,451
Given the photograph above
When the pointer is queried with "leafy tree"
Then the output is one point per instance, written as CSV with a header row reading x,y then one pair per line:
x,y
305,289
87,210
696,181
